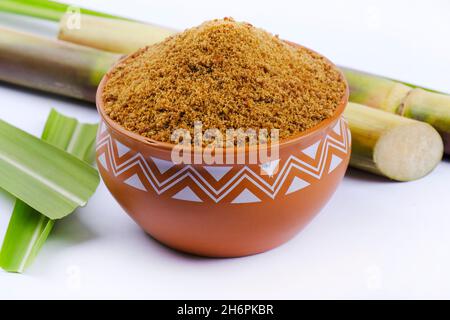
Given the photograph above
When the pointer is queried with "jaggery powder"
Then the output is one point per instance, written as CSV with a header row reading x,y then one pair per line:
x,y
226,74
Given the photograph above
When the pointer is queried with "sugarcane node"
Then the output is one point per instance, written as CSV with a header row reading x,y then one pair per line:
x,y
430,107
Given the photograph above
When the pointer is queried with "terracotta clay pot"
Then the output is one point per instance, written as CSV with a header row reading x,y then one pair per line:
x,y
226,210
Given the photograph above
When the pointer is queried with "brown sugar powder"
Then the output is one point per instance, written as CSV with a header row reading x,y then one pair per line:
x,y
227,75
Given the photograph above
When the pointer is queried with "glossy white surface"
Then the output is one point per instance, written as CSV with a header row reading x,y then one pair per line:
x,y
375,239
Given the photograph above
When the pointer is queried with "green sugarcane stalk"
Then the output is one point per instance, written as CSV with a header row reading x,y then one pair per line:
x,y
91,33
53,66
402,99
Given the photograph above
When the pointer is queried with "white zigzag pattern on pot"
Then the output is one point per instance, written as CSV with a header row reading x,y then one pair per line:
x,y
189,172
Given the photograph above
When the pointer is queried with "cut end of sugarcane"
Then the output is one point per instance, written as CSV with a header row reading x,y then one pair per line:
x,y
408,152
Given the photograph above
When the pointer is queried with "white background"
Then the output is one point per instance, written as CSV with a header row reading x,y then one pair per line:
x,y
375,239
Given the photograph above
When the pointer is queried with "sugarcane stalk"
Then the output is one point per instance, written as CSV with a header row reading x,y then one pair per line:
x,y
399,98
111,34
433,108
389,145
380,93
53,66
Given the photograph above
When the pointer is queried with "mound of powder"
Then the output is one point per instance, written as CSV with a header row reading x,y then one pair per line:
x,y
226,74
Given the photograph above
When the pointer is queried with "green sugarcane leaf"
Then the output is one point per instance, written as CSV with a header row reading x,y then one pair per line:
x,y
28,229
43,176
70,135
26,234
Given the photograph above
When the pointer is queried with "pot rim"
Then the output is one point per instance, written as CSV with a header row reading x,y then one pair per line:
x,y
296,139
